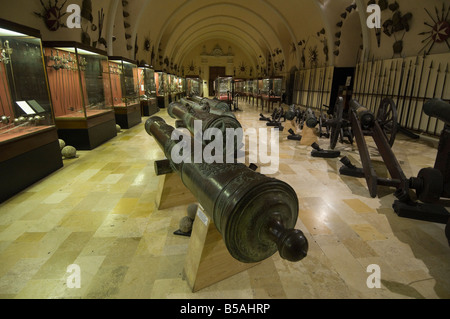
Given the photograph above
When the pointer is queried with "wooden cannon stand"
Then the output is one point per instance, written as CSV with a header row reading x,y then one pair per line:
x,y
208,260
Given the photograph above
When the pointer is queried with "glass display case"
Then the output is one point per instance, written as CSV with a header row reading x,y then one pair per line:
x,y
223,87
162,89
125,91
29,146
80,88
239,85
194,86
249,90
272,91
172,85
180,89
147,91
257,90
183,86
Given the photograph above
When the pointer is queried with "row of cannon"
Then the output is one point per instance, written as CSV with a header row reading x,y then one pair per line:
x,y
431,185
255,214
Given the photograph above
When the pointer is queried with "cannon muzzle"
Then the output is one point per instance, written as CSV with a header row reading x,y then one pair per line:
x,y
366,117
439,109
310,118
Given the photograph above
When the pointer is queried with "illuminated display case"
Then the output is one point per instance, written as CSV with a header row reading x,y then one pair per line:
x,y
271,92
173,87
248,90
239,85
80,88
125,91
257,90
29,147
181,87
147,91
272,87
223,87
194,86
162,89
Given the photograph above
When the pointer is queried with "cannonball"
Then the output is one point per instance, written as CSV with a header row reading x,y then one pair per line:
x,y
186,224
118,128
192,211
69,152
62,144
5,119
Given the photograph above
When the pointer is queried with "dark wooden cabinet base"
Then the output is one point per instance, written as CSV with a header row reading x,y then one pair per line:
x,y
28,165
127,117
89,138
149,108
87,134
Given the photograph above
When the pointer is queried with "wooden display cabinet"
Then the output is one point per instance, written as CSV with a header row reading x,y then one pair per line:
x,y
29,146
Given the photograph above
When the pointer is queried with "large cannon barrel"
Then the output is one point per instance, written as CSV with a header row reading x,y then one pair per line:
x,y
439,109
366,117
255,214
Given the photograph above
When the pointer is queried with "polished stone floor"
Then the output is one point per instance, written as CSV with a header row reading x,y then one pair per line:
x,y
99,213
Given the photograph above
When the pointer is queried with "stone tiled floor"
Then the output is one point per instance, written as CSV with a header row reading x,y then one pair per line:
x,y
99,212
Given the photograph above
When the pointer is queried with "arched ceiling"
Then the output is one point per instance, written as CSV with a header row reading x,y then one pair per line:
x,y
258,27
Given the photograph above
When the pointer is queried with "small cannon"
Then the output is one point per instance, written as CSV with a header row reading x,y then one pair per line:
x,y
275,120
430,184
309,118
255,214
338,126
293,113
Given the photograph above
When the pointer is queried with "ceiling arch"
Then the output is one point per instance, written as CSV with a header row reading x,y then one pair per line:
x,y
247,41
218,22
261,27
213,36
193,12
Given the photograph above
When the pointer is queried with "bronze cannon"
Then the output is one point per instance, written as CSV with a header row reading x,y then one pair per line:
x,y
189,117
255,214
205,107
214,104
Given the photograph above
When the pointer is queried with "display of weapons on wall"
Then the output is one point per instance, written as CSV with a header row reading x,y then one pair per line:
x,y
409,82
439,29
52,15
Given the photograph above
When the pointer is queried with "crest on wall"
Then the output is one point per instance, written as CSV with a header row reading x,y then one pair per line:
x,y
52,14
217,51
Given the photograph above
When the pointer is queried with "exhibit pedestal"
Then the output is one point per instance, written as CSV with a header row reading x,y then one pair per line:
x,y
128,116
163,101
269,102
172,192
28,159
149,107
87,134
208,260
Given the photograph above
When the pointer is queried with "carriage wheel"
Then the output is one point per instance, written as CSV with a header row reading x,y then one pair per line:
x,y
336,123
387,117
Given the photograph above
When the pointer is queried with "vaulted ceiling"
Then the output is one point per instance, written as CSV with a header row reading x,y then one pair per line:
x,y
258,27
